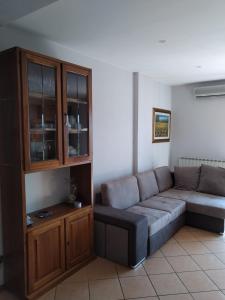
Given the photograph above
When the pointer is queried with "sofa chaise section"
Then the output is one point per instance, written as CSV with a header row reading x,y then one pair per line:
x,y
120,236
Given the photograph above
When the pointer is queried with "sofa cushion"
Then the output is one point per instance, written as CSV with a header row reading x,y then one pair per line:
x,y
147,184
120,193
173,206
212,180
176,194
207,204
164,178
157,219
186,178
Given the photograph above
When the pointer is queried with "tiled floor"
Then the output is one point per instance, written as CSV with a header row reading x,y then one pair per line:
x,y
190,266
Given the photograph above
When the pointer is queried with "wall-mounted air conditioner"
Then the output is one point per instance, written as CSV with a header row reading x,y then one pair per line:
x,y
212,91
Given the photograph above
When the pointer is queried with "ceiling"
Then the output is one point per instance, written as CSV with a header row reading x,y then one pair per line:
x,y
173,41
13,9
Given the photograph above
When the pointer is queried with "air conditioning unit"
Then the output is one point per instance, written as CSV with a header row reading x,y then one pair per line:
x,y
210,91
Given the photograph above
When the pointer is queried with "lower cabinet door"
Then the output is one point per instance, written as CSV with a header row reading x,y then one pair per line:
x,y
78,238
46,254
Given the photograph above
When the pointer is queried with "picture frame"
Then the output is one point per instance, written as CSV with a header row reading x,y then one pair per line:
x,y
161,125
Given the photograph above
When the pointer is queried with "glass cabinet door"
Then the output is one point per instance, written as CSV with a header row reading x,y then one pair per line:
x,y
76,105
42,112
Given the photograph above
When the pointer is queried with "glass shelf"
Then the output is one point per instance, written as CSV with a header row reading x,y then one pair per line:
x,y
40,130
71,130
78,101
41,96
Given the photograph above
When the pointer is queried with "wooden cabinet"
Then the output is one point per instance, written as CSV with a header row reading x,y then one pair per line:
x,y
78,238
46,254
46,123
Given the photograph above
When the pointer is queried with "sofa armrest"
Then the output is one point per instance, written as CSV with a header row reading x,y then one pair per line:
x,y
114,224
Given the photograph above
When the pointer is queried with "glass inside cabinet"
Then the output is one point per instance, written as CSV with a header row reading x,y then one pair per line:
x,y
76,116
42,112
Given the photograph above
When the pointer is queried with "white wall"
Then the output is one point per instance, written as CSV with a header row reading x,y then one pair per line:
x,y
198,126
149,94
46,188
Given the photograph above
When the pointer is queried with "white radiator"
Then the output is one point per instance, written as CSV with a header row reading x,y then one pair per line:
x,y
196,162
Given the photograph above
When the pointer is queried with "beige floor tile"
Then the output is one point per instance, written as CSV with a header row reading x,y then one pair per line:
x,y
78,290
216,295
173,249
197,281
105,289
157,266
80,276
127,272
165,284
194,247
49,296
207,236
185,236
218,276
183,263
139,286
171,241
157,254
215,246
221,256
101,269
176,297
208,261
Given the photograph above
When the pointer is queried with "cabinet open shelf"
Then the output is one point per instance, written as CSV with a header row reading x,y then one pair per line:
x,y
57,211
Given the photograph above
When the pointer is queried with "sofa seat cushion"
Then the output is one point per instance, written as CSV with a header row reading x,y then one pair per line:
x,y
120,193
207,204
147,184
157,219
174,206
176,194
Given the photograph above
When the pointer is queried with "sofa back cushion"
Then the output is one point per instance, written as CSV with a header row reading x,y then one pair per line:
x,y
120,193
187,178
212,180
164,178
147,184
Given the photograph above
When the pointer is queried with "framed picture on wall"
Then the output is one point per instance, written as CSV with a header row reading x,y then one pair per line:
x,y
161,124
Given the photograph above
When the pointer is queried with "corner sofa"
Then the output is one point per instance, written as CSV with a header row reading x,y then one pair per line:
x,y
138,214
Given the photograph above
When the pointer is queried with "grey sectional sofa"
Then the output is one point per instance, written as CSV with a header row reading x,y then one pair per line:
x,y
138,214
